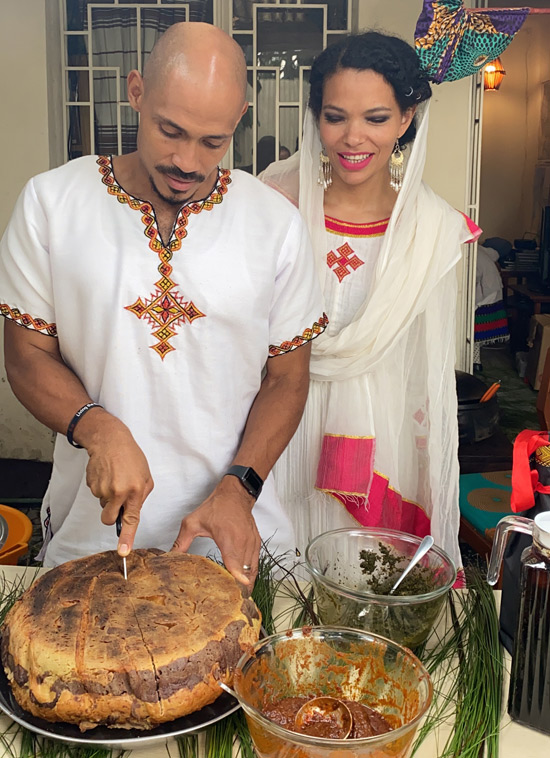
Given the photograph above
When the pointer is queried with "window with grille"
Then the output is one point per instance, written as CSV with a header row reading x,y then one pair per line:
x,y
103,40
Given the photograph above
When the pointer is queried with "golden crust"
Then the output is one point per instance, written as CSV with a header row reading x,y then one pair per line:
x,y
84,646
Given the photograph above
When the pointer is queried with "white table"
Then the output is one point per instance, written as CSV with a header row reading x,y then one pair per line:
x,y
516,741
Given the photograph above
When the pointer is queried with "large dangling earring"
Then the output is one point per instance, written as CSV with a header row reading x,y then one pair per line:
x,y
325,171
396,168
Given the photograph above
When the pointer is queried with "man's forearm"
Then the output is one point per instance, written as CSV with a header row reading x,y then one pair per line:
x,y
274,416
45,385
227,513
117,472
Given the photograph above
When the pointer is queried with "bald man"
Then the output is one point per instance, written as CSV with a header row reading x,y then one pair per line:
x,y
145,296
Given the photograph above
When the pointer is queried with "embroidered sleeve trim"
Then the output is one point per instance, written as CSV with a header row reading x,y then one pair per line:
x,y
306,336
24,319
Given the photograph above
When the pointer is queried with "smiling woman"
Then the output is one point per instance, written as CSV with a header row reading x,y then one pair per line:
x,y
379,432
362,99
359,135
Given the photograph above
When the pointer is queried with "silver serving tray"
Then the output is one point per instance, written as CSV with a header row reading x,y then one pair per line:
x,y
121,739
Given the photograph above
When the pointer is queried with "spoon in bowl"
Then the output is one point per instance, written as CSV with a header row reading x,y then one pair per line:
x,y
324,717
421,551
317,716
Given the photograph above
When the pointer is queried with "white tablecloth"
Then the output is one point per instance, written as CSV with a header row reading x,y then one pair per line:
x,y
516,741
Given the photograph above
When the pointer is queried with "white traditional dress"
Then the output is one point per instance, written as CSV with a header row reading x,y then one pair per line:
x,y
377,445
172,340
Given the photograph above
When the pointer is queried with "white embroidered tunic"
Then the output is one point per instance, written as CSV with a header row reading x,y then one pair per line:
x,y
172,340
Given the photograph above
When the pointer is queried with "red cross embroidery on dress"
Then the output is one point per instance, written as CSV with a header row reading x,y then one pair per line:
x,y
346,258
165,309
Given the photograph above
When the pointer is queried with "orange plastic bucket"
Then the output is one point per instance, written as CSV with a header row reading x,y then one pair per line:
x,y
19,534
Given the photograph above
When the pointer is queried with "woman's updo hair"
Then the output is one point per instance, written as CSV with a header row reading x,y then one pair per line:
x,y
389,56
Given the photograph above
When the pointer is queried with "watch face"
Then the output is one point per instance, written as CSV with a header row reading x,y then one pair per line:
x,y
252,481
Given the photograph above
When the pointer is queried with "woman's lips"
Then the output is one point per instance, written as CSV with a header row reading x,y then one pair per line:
x,y
355,161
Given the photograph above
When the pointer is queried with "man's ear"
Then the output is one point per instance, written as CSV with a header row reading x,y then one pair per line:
x,y
136,88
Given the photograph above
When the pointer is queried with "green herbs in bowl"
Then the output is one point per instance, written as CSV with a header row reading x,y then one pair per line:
x,y
353,571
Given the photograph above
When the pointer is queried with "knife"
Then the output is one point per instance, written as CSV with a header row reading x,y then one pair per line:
x,y
118,529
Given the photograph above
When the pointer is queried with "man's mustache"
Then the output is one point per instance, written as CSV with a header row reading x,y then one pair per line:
x,y
182,176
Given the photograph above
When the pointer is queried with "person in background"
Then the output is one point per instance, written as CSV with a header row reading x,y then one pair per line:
x,y
284,153
266,153
143,296
377,445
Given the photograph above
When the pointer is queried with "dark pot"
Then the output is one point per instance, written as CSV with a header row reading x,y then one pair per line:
x,y
476,421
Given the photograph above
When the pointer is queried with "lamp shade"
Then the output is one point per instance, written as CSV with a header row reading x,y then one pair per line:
x,y
493,74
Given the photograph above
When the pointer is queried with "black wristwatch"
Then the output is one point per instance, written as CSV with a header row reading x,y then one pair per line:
x,y
249,479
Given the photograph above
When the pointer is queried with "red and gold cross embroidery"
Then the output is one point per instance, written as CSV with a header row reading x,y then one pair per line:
x,y
165,309
346,258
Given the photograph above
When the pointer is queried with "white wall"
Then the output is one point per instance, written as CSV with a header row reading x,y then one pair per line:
x,y
510,203
24,131
446,167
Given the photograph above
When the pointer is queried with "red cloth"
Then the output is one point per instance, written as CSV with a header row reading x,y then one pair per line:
x,y
525,481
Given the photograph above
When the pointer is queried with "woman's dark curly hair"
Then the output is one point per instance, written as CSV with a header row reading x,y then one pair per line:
x,y
389,56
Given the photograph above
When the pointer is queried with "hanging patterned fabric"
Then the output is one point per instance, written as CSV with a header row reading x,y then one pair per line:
x,y
453,42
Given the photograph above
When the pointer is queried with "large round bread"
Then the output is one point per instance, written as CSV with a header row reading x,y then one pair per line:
x,y
82,645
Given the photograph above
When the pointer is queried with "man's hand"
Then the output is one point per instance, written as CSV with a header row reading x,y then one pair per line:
x,y
117,472
226,517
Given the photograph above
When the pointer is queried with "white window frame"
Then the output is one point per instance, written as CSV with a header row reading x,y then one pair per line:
x,y
222,17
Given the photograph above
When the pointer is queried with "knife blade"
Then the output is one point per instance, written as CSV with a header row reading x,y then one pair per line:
x,y
118,530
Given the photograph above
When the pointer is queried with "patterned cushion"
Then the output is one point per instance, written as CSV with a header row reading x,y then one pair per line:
x,y
485,498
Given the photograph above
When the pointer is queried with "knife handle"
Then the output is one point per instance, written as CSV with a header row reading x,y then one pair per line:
x,y
119,521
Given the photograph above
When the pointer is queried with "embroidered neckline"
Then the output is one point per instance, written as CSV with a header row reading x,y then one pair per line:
x,y
165,309
148,216
349,229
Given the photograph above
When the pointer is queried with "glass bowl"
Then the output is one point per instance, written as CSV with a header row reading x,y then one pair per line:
x,y
342,663
346,593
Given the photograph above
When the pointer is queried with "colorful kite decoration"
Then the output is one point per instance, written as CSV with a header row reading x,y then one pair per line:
x,y
454,42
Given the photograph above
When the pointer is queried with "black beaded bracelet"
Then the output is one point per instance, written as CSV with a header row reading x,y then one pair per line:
x,y
76,418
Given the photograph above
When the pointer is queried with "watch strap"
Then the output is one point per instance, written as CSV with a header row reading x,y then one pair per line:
x,y
250,479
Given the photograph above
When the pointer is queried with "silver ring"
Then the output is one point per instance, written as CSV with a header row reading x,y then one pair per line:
x,y
246,567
